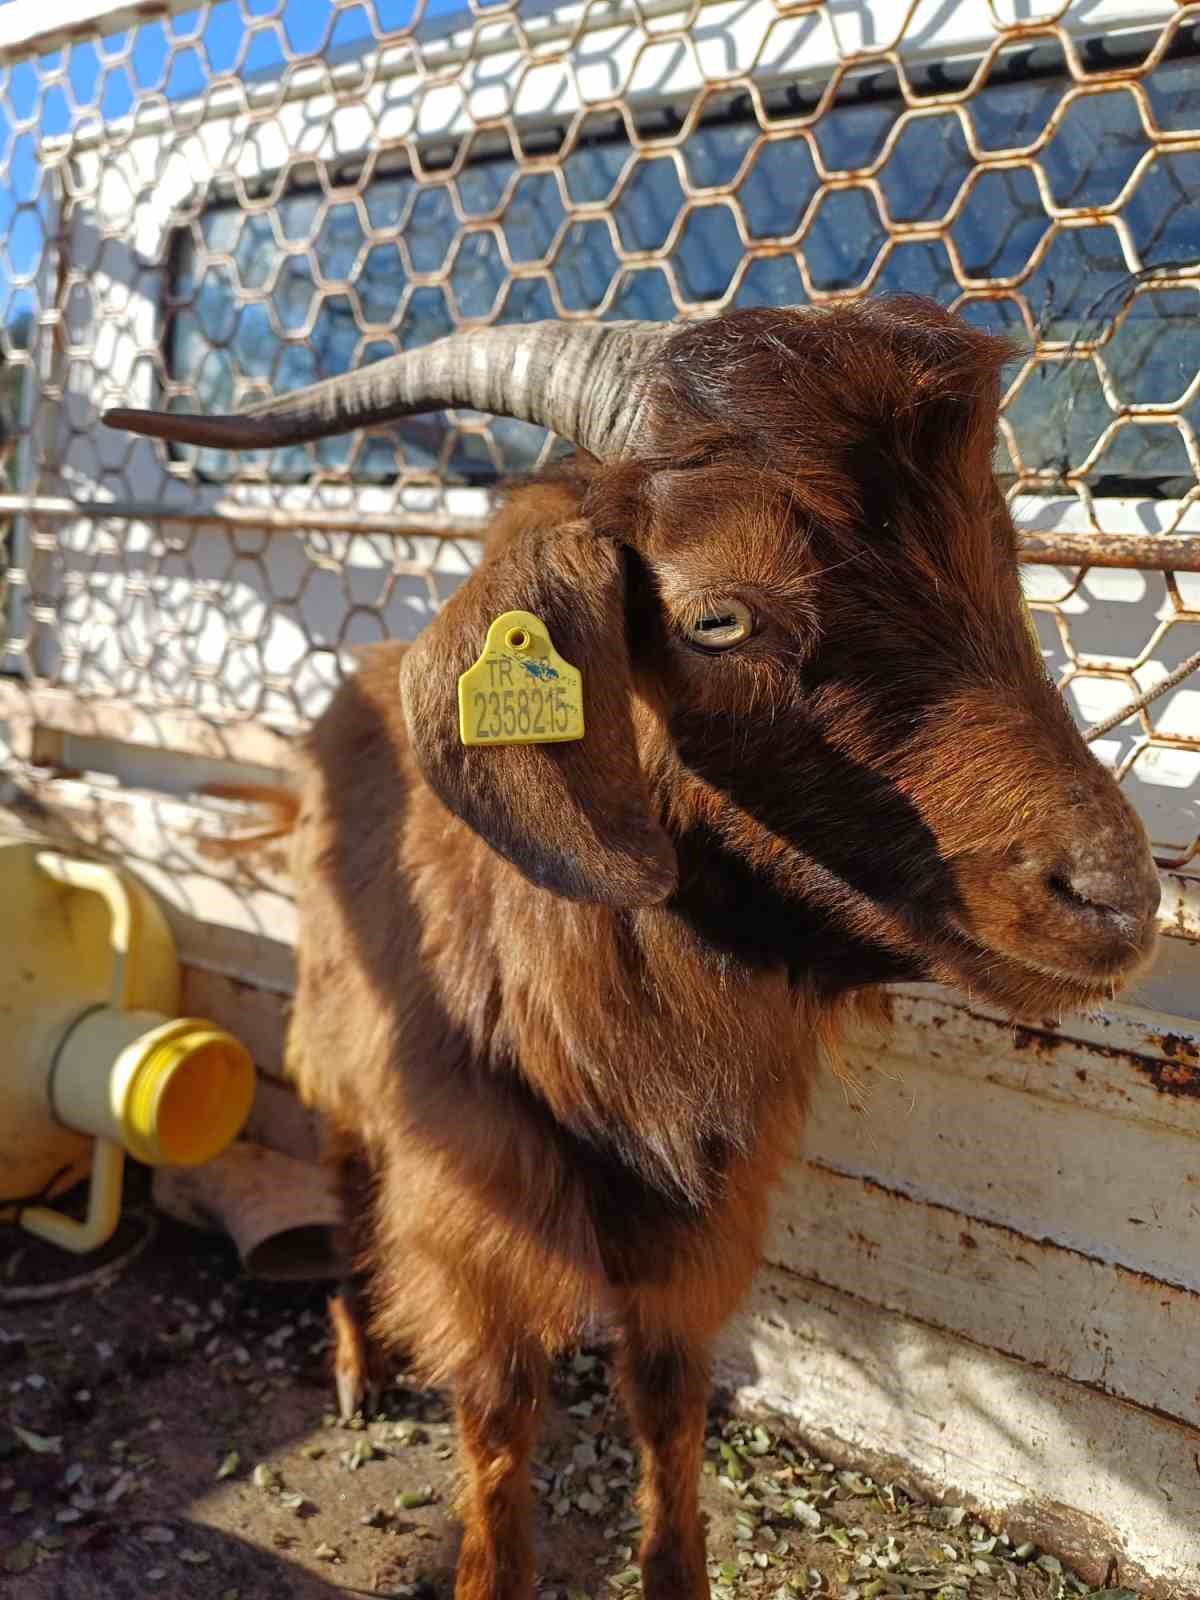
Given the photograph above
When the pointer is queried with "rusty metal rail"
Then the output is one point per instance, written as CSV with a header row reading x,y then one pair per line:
x,y
1147,551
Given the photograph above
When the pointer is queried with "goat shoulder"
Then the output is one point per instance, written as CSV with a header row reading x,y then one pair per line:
x,y
570,1073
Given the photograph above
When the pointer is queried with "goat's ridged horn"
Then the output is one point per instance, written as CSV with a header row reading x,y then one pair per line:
x,y
581,380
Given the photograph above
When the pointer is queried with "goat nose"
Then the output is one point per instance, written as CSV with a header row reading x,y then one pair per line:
x,y
1118,887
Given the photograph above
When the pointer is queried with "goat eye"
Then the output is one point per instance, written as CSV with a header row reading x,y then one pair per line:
x,y
722,627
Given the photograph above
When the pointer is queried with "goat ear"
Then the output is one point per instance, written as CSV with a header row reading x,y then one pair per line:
x,y
575,817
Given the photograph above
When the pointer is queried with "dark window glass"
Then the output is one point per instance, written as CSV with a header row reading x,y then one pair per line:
x,y
314,286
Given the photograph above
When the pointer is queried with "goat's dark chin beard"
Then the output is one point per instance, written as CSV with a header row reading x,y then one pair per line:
x,y
1026,991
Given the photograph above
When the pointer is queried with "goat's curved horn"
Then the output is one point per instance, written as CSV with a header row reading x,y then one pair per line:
x,y
584,381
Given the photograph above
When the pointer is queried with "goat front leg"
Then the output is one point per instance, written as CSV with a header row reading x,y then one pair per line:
x,y
498,1398
666,1382
358,1368
358,1372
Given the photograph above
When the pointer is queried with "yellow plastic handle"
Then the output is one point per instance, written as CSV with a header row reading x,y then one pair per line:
x,y
103,1212
108,883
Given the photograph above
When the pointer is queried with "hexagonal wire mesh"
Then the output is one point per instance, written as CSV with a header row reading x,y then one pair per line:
x,y
246,196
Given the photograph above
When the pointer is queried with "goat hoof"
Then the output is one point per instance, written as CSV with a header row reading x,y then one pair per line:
x,y
352,1395
358,1396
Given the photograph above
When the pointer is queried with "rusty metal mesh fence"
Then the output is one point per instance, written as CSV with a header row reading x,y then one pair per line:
x,y
206,205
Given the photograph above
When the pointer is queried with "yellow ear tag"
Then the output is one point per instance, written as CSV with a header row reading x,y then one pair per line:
x,y
520,691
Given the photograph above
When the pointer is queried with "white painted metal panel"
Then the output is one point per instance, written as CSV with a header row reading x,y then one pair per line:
x,y
1114,1489
1047,1133
1119,1330
987,1265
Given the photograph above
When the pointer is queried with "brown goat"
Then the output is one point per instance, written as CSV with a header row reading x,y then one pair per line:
x,y
560,1005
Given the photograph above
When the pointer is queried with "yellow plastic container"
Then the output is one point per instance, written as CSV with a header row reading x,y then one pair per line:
x,y
94,1060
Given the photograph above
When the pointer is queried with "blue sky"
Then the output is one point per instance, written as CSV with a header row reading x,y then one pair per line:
x,y
175,58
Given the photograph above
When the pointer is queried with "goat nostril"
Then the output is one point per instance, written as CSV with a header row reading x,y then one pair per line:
x,y
1061,886
1105,895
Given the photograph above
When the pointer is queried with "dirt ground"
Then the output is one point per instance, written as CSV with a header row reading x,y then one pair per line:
x,y
170,1433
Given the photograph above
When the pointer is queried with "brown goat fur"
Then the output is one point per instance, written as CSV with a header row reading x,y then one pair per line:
x,y
560,1005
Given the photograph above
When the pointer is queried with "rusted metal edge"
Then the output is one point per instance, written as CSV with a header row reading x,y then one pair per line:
x,y
1131,1060
1179,911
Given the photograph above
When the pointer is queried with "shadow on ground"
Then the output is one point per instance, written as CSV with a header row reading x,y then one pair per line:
x,y
167,1432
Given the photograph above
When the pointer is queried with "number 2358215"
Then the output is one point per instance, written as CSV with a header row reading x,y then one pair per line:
x,y
505,713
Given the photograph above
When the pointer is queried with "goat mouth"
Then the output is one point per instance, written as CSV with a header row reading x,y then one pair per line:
x,y
1025,986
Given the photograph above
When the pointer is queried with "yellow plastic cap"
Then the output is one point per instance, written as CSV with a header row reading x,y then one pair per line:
x,y
188,1094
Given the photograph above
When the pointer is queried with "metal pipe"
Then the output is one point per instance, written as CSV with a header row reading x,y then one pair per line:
x,y
1151,552
228,512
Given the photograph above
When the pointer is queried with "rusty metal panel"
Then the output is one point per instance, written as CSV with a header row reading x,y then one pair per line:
x,y
983,1274
1086,1136
1033,1190
1111,1327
